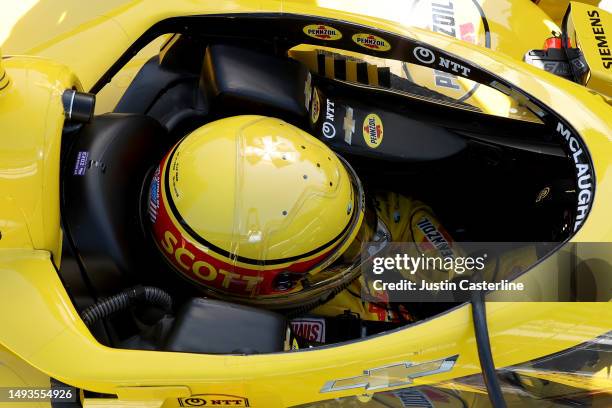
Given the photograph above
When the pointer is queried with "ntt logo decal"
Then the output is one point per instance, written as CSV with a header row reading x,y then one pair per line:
x,y
213,400
425,55
371,41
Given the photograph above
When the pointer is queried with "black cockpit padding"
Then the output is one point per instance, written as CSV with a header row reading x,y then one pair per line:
x,y
237,80
151,81
240,80
103,177
217,327
169,94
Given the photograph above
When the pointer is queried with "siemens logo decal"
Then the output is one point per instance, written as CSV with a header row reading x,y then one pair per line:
x,y
600,36
583,174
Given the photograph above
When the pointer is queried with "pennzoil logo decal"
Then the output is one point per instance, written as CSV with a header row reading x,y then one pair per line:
x,y
213,400
373,130
372,42
433,238
391,376
322,32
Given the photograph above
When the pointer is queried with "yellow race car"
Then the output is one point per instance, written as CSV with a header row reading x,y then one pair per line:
x,y
195,197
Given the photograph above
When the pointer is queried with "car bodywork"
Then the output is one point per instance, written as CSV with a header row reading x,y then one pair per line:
x,y
42,329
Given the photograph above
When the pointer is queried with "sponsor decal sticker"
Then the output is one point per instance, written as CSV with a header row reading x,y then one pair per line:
x,y
348,125
328,128
373,130
322,32
391,376
310,329
583,173
213,400
307,91
315,109
154,196
80,167
434,237
455,67
425,55
599,34
371,41
543,194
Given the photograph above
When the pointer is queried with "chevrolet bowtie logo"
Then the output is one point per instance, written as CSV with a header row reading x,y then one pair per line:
x,y
391,376
348,125
308,91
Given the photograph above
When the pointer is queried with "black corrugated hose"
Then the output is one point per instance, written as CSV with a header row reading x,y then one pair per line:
x,y
121,301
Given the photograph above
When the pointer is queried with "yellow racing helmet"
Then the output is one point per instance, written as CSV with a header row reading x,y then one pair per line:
x,y
255,210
